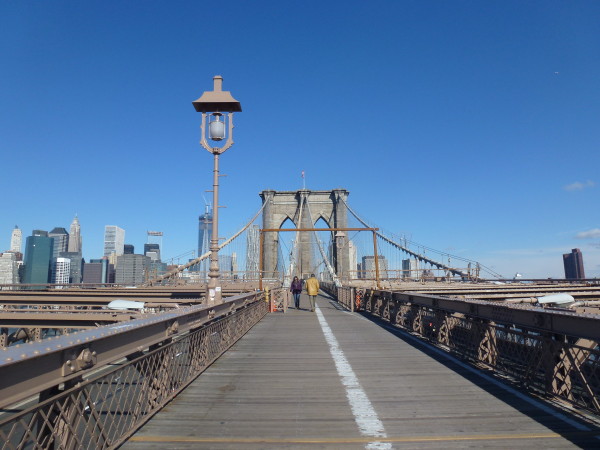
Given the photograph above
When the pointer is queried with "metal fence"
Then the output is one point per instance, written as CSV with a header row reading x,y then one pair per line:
x,y
345,295
103,410
550,352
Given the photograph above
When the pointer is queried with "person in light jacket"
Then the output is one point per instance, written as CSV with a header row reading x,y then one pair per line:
x,y
296,289
312,288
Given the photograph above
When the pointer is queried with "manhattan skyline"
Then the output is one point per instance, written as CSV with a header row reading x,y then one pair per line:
x,y
470,127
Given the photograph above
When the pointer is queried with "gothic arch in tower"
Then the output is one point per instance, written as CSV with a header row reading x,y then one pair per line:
x,y
280,206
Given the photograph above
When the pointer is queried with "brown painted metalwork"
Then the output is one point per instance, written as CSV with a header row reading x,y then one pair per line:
x,y
26,369
102,408
276,230
550,352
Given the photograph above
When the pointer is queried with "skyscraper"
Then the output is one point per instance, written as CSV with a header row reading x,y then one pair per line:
x,y
152,251
114,240
204,231
61,270
16,239
131,269
205,222
573,263
75,236
9,272
76,259
226,266
61,241
353,259
98,271
410,269
368,267
252,251
38,257
128,249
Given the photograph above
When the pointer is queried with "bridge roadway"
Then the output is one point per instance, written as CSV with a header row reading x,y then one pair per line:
x,y
334,379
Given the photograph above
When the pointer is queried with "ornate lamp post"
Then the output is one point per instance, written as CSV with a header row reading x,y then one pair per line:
x,y
213,104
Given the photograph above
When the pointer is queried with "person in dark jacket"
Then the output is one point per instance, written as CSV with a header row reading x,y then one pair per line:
x,y
296,289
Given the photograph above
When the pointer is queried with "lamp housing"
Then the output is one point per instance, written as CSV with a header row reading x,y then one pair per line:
x,y
217,100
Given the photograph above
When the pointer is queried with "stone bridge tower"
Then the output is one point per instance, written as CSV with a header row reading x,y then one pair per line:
x,y
326,205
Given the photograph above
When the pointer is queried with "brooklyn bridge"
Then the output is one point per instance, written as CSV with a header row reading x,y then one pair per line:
x,y
407,347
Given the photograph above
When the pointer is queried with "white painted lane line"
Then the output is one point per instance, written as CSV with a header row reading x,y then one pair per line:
x,y
364,414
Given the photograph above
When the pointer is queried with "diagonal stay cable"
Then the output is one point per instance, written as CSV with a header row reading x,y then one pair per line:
x,y
207,254
418,255
322,251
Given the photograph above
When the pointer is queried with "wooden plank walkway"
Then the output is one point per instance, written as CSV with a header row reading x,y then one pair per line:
x,y
334,379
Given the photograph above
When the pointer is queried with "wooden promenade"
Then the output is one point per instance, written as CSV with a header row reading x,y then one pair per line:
x,y
334,379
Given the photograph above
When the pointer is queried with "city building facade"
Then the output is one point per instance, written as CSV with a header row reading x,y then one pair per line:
x,y
205,223
60,241
92,273
61,270
410,269
368,267
353,259
114,240
38,258
76,273
16,240
152,251
75,241
252,252
573,263
9,269
131,270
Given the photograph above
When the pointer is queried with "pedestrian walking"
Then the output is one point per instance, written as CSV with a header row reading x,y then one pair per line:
x,y
296,289
312,288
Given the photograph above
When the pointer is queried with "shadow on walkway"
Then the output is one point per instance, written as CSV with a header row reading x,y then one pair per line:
x,y
580,429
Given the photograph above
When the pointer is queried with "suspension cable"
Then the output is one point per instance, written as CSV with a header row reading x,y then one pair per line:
x,y
322,251
423,257
202,257
294,252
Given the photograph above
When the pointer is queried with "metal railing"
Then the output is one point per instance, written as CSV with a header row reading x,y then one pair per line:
x,y
345,295
102,407
554,353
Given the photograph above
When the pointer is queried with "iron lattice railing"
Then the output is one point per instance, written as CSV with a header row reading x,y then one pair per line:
x,y
565,366
346,296
102,412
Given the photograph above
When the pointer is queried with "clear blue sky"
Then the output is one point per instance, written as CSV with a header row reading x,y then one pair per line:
x,y
473,127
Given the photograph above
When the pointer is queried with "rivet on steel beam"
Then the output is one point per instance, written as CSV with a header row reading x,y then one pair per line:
x,y
8,359
36,352
23,355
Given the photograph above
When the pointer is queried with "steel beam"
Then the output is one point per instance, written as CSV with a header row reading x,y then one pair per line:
x,y
27,369
542,319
